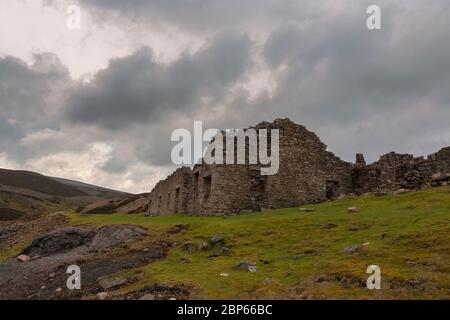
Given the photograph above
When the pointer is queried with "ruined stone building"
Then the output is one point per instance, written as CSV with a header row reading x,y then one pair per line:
x,y
308,173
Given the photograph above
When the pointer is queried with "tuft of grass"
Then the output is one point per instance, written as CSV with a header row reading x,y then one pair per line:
x,y
406,235
13,251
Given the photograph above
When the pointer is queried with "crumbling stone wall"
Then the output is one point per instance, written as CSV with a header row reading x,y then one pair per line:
x,y
172,194
308,173
394,171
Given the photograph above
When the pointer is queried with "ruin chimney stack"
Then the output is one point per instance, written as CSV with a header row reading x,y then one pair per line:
x,y
360,162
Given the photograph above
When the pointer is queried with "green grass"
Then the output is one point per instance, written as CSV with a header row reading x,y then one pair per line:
x,y
414,252
13,251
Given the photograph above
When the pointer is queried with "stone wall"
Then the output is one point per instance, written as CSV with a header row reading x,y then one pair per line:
x,y
172,194
395,171
308,173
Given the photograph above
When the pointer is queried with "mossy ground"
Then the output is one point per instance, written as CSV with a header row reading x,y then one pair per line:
x,y
407,236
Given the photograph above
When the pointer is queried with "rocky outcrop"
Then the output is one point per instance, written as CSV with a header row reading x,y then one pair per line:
x,y
66,239
59,241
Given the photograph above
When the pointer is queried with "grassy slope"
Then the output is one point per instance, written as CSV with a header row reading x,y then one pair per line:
x,y
414,254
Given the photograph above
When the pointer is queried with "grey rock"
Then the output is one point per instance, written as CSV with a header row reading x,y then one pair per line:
x,y
217,239
353,249
246,266
102,295
147,296
59,241
23,258
352,210
112,283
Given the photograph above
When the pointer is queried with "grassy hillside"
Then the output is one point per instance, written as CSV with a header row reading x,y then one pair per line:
x,y
300,254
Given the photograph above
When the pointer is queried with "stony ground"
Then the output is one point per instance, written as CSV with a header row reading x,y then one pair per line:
x,y
316,252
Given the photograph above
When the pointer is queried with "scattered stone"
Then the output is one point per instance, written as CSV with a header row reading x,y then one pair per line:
x,y
52,275
145,250
102,295
263,261
246,266
23,258
352,209
173,299
252,269
185,259
357,248
204,246
178,228
215,254
223,251
307,209
224,274
267,281
147,296
217,239
58,290
188,246
43,287
112,283
226,251
311,252
330,226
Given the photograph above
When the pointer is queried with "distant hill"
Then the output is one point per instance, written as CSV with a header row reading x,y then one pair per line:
x,y
31,193
39,183
93,190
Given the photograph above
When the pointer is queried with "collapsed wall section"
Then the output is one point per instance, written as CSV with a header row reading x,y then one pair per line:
x,y
394,171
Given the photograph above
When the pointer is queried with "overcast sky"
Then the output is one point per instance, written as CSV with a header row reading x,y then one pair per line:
x,y
99,104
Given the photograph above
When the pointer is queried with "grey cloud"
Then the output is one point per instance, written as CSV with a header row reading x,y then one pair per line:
x,y
360,90
25,91
138,90
364,91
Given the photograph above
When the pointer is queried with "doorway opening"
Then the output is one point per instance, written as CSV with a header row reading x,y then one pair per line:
x,y
331,189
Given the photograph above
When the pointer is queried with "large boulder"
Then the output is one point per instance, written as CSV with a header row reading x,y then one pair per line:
x,y
66,239
112,235
60,241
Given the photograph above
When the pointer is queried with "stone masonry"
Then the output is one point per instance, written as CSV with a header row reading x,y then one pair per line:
x,y
308,173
